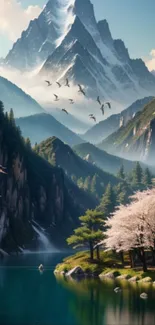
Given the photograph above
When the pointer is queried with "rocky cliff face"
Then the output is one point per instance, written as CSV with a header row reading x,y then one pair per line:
x,y
136,140
104,128
33,191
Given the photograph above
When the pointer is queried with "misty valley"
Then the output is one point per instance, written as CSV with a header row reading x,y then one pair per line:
x,y
77,163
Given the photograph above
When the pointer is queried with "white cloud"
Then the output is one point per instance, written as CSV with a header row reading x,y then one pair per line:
x,y
150,63
14,19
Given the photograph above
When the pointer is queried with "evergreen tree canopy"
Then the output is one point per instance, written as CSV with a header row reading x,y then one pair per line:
x,y
147,177
28,143
137,174
121,173
90,232
11,117
108,201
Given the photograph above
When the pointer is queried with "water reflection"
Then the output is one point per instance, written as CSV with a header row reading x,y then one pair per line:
x,y
28,297
96,303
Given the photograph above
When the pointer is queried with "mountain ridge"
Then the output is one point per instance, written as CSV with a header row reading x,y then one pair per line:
x,y
136,140
22,103
34,191
39,127
104,128
118,77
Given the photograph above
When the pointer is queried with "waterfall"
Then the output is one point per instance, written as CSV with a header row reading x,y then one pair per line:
x,y
45,244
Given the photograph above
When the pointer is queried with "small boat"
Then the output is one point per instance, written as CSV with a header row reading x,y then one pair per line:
x,y
41,268
143,295
118,289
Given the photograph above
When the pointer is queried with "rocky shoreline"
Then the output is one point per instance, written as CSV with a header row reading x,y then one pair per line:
x,y
77,272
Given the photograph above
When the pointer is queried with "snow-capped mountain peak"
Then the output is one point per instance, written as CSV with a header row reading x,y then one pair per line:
x,y
67,37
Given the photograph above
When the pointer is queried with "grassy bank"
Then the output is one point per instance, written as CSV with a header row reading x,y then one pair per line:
x,y
109,262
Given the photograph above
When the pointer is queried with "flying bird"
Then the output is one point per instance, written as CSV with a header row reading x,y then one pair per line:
x,y
67,83
91,115
56,97
48,83
64,110
2,167
94,118
2,171
81,90
58,83
98,100
71,101
102,109
109,105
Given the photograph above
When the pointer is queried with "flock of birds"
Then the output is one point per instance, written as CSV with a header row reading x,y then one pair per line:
x,y
82,91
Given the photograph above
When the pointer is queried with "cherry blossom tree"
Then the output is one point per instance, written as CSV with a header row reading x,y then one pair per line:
x,y
132,227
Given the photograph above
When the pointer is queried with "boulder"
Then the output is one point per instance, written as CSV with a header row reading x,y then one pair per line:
x,y
76,271
41,267
123,277
134,279
109,275
143,295
145,280
118,289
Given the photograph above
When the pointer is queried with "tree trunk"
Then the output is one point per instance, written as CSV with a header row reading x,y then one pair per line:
x,y
131,259
122,258
91,250
98,252
153,256
143,259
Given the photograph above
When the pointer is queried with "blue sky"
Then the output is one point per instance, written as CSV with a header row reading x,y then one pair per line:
x,y
131,20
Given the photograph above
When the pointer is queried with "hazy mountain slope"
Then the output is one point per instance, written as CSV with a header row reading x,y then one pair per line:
x,y
14,97
34,191
42,126
137,139
72,164
70,121
103,129
69,42
102,159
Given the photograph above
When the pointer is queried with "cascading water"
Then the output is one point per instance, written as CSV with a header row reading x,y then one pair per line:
x,y
45,244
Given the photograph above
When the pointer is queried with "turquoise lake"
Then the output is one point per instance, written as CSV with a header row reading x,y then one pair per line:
x,y
28,297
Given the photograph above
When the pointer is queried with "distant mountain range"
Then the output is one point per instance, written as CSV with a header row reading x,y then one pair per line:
x,y
14,97
102,159
39,127
103,129
137,139
83,50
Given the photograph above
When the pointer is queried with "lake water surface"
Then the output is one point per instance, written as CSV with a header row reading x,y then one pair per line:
x,y
30,298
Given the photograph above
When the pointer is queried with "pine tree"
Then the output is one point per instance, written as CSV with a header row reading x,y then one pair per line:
x,y
90,233
1,110
28,143
11,117
108,201
147,177
7,116
93,186
121,173
137,174
121,193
